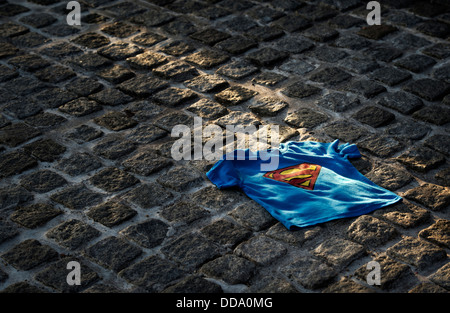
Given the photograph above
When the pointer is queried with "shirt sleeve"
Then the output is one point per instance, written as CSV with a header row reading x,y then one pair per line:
x,y
223,174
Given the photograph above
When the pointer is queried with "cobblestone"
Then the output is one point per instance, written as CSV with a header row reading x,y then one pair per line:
x,y
206,83
415,63
370,231
164,273
394,272
268,106
118,258
389,177
405,214
305,118
230,268
186,212
366,87
73,234
437,233
421,159
17,133
54,276
207,58
146,60
428,89
234,95
87,174
42,181
113,179
148,234
76,197
15,163
309,271
344,131
266,56
191,250
339,252
34,215
268,78
225,232
177,70
45,150
174,96
331,76
433,196
142,86
80,107
441,276
115,120
180,178
261,250
382,146
146,163
236,44
143,195
376,31
90,61
110,96
206,108
433,114
390,76
112,148
111,213
374,116
91,40
338,102
237,69
401,101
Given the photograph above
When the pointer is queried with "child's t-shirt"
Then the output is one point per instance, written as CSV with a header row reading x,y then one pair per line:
x,y
313,182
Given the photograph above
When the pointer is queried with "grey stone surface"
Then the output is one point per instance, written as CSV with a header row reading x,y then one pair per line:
x,y
29,254
191,250
143,195
111,213
43,181
113,179
370,231
339,252
86,120
54,276
149,234
416,252
394,272
308,271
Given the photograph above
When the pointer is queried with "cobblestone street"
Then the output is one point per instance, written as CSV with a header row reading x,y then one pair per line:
x,y
87,175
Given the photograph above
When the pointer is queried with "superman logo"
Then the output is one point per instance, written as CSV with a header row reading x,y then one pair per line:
x,y
301,175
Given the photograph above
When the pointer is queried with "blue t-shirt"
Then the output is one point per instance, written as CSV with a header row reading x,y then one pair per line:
x,y
313,182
